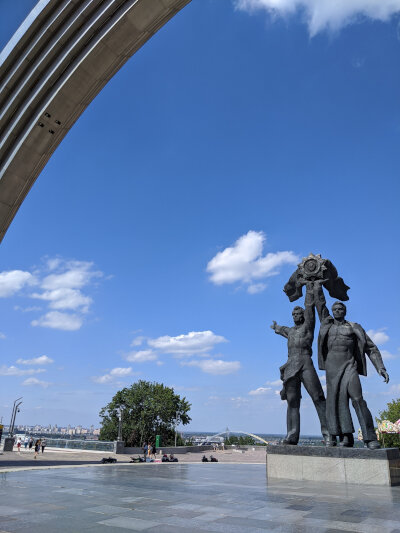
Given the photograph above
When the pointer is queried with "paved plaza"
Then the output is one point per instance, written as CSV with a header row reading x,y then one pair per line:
x,y
178,498
64,457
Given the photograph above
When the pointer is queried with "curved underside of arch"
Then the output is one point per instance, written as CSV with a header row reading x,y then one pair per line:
x,y
59,59
244,433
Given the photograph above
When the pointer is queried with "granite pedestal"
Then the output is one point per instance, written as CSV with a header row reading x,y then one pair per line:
x,y
9,444
360,466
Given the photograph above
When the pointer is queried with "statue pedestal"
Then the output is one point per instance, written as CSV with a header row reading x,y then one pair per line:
x,y
8,444
360,466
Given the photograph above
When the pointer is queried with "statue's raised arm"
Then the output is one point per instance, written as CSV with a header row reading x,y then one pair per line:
x,y
309,309
320,301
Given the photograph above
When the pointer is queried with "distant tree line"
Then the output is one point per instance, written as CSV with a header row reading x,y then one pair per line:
x,y
243,440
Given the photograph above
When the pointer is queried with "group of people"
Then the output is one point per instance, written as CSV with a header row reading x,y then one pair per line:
x,y
29,443
149,450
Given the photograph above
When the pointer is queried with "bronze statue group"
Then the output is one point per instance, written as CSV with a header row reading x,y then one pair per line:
x,y
342,350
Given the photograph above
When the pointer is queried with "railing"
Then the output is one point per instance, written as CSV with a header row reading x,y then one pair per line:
x,y
99,445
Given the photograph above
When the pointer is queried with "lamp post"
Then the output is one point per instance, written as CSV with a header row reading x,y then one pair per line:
x,y
120,423
13,416
9,441
176,425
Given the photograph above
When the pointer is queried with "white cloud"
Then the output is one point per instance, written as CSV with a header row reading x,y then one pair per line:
x,y
35,381
113,375
138,341
65,298
378,336
121,372
215,366
71,275
27,309
63,291
325,14
53,263
142,356
260,391
58,320
13,281
15,371
194,342
199,343
255,288
41,360
275,383
243,262
387,355
239,401
2,336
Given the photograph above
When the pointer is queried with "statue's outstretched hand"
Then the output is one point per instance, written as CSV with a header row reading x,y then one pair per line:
x,y
384,374
274,324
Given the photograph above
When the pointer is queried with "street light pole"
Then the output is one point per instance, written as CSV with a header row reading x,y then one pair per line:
x,y
176,425
119,423
13,416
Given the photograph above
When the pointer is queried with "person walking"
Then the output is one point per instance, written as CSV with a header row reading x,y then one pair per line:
x,y
19,445
37,448
153,450
43,444
30,444
26,441
145,450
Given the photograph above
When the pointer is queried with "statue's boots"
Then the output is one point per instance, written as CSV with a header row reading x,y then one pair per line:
x,y
346,440
372,444
293,423
330,441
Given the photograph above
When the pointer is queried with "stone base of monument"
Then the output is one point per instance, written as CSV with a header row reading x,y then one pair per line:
x,y
8,444
360,466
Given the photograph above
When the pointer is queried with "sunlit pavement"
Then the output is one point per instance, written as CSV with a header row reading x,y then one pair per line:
x,y
188,497
56,457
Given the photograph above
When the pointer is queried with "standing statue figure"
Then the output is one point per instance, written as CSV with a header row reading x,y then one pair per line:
x,y
342,346
300,369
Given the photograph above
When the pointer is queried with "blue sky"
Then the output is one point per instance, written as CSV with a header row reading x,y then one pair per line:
x,y
267,132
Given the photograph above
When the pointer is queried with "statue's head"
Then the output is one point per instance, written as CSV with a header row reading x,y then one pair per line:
x,y
298,315
339,310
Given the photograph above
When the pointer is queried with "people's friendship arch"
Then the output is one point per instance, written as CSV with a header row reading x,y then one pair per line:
x,y
59,59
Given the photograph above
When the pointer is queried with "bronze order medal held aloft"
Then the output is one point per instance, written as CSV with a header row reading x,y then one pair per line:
x,y
312,268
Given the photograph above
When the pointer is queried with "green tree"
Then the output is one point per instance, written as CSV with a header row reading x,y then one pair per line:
x,y
243,440
148,409
391,413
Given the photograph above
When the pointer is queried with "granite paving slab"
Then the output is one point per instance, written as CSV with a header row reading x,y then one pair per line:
x,y
186,497
135,524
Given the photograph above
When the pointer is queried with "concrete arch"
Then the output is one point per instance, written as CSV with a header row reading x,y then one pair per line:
x,y
243,433
59,59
